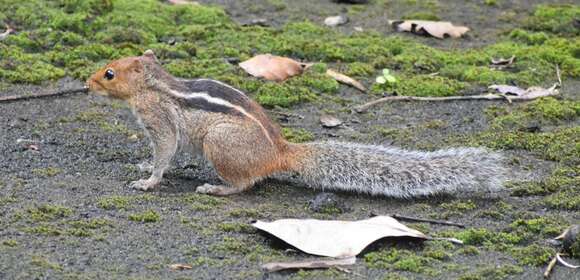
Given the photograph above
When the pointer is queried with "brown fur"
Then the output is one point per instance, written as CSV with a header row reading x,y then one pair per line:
x,y
239,163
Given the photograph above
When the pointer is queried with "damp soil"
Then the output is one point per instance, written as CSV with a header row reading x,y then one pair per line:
x,y
79,152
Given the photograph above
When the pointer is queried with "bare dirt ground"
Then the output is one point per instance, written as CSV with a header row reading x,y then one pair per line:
x,y
88,147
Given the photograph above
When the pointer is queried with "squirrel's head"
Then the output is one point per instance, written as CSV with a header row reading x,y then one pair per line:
x,y
122,78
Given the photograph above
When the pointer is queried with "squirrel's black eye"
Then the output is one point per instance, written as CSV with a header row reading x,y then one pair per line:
x,y
109,74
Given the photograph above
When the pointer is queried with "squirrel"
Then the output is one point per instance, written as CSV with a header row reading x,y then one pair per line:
x,y
234,134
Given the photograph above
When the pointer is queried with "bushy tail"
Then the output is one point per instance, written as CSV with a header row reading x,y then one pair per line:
x,y
395,172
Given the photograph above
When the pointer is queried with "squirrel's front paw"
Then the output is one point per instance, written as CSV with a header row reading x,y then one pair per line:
x,y
143,185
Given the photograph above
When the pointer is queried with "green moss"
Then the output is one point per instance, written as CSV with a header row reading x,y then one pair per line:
x,y
44,229
244,213
421,16
10,243
236,227
545,226
534,255
482,236
530,38
359,69
567,200
114,202
148,216
297,135
230,246
403,260
558,19
48,213
575,248
47,172
45,263
491,2
203,202
493,273
459,206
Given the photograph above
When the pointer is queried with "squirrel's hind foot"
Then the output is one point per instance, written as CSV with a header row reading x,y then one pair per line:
x,y
144,184
218,190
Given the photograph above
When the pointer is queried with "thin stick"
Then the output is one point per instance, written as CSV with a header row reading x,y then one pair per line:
x,y
550,267
558,75
412,219
12,98
311,264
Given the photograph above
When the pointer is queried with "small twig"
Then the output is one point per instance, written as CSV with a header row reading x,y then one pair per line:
x,y
287,114
363,108
311,264
550,267
558,75
12,98
412,219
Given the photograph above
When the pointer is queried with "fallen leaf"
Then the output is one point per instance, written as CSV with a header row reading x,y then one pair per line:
x,y
182,2
6,33
273,68
345,80
530,93
337,239
503,61
437,29
336,20
311,264
329,121
564,263
179,266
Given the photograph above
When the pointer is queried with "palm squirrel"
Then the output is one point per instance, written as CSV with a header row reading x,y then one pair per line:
x,y
234,134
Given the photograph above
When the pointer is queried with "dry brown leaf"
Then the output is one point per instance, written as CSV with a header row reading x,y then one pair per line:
x,y
179,266
337,239
437,29
345,80
329,121
311,264
273,68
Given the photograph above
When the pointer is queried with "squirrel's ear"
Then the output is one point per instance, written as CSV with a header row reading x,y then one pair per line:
x,y
150,55
137,66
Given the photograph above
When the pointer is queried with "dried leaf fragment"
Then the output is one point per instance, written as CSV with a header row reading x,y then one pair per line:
x,y
329,121
311,264
336,20
503,61
437,29
6,33
337,239
179,266
346,80
273,68
530,93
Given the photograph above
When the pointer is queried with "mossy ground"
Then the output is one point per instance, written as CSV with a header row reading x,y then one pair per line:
x,y
67,214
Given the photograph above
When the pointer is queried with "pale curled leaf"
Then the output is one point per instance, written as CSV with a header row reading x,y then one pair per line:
x,y
564,263
437,29
503,61
310,264
273,68
346,80
381,80
336,20
329,121
530,93
337,239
